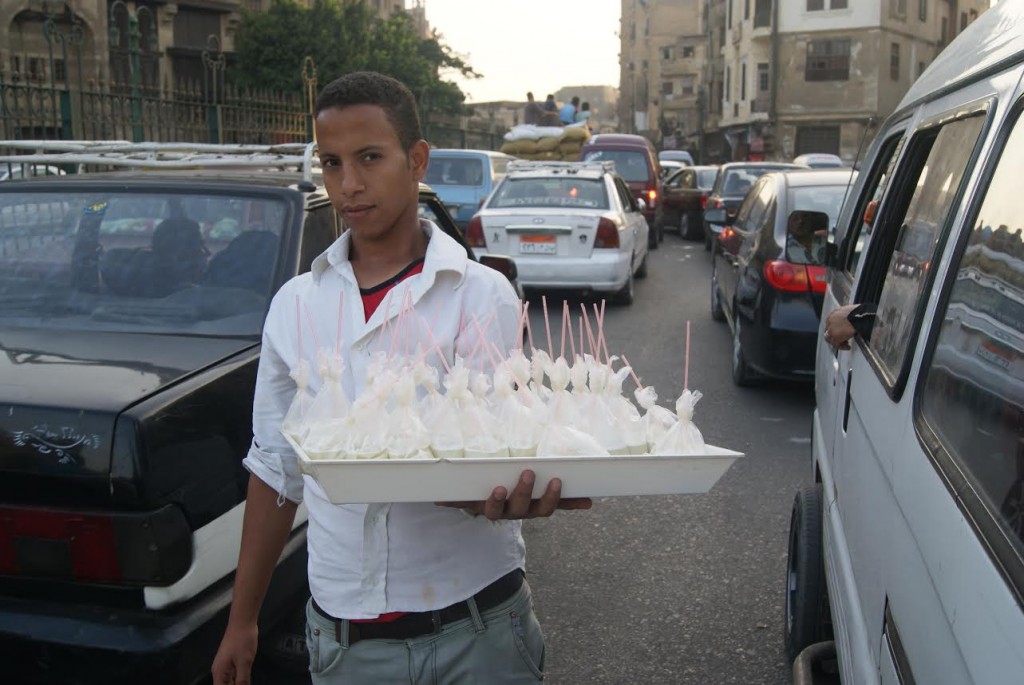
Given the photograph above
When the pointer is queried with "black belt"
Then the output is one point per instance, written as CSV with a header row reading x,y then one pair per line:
x,y
427,622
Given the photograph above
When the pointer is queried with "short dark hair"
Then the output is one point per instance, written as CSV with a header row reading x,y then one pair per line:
x,y
529,96
575,100
372,88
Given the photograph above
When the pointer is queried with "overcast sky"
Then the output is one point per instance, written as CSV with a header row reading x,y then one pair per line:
x,y
537,45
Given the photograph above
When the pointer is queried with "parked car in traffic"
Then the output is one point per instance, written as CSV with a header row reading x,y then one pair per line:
x,y
906,545
685,195
768,272
819,160
732,183
131,315
636,161
464,178
569,226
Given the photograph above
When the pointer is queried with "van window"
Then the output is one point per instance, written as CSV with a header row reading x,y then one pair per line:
x,y
973,397
874,189
932,175
631,165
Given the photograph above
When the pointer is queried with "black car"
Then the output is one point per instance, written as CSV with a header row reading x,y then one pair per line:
x,y
731,185
131,314
684,194
768,274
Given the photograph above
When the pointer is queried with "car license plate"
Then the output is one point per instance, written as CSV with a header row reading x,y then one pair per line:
x,y
538,244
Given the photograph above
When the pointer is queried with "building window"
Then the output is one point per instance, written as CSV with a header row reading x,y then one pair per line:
x,y
687,84
728,84
839,4
922,10
815,5
762,13
898,9
762,77
688,51
743,82
894,62
60,71
666,88
963,20
944,32
828,60
746,9
668,52
817,139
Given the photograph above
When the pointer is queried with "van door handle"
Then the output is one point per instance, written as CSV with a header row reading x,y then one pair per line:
x,y
846,406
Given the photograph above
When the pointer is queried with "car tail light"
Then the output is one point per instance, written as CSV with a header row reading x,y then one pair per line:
x,y
716,203
818,278
153,548
475,232
652,195
703,200
502,264
607,234
795,278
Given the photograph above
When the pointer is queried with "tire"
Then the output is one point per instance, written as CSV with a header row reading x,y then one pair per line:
x,y
626,295
806,602
716,296
742,374
641,271
690,226
652,236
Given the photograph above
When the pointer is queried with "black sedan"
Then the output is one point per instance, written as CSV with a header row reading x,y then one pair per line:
x,y
768,278
731,185
684,194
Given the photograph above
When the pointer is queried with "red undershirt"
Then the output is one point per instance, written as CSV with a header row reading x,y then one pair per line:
x,y
372,297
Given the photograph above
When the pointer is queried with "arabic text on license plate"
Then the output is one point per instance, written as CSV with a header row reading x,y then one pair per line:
x,y
538,244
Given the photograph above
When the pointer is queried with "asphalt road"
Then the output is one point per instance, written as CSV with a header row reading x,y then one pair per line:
x,y
678,589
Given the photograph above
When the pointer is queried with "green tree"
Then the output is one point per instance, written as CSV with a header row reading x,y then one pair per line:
x,y
342,37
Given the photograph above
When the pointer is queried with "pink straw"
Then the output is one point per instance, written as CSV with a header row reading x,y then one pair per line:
x,y
686,370
495,361
529,329
572,343
590,334
565,314
312,328
440,353
600,333
632,373
547,325
582,339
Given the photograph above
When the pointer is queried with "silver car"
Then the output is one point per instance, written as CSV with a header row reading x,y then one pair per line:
x,y
569,226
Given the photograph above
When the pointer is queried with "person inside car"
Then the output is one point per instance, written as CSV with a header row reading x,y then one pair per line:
x,y
387,580
806,237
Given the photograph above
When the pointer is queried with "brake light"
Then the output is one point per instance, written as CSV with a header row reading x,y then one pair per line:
x,y
475,233
56,544
703,200
795,278
607,234
652,195
716,203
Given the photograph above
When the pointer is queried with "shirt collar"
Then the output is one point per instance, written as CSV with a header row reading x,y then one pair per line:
x,y
443,254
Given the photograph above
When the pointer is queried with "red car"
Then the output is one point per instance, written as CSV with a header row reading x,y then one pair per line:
x,y
685,194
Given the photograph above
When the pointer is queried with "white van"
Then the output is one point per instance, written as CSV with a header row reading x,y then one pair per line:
x,y
908,550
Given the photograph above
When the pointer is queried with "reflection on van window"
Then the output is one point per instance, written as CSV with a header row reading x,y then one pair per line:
x,y
937,184
630,165
865,222
974,393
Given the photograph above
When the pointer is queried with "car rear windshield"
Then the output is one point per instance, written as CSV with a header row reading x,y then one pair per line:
x,y
706,177
827,199
150,262
550,192
455,171
630,165
739,181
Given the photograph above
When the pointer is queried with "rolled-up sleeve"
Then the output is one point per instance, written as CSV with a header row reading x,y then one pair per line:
x,y
270,457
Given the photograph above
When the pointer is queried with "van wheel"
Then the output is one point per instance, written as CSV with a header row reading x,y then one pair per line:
x,y
716,297
742,374
807,611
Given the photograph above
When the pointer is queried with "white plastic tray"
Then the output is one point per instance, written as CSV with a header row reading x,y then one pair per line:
x,y
349,481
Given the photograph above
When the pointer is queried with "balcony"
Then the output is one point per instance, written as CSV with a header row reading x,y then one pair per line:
x,y
760,104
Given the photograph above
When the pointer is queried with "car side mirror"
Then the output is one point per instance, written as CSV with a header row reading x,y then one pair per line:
x,y
641,205
807,237
716,218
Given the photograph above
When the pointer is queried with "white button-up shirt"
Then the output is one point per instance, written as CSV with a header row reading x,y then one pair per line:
x,y
365,560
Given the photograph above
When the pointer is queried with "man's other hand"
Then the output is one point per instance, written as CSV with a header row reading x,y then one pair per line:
x,y
520,503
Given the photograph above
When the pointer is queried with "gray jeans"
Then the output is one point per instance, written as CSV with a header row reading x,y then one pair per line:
x,y
501,646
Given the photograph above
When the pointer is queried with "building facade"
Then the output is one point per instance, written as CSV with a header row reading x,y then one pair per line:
x,y
776,79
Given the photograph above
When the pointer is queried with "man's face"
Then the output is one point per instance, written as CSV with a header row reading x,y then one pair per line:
x,y
372,181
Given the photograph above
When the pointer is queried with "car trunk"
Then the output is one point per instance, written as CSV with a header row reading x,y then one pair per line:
x,y
61,394
540,232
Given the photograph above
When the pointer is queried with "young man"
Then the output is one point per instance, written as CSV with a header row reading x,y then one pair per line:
x,y
532,111
400,591
567,114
